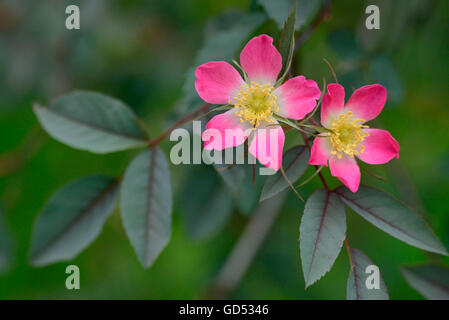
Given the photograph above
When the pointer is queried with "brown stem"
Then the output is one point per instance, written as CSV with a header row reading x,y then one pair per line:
x,y
180,122
348,249
323,15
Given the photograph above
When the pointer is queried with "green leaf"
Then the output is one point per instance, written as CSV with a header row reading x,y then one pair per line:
x,y
295,163
392,217
238,179
93,122
322,232
6,246
225,37
209,207
146,204
279,10
72,219
429,280
356,288
287,40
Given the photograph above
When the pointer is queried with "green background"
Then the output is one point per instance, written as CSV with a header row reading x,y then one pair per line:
x,y
139,52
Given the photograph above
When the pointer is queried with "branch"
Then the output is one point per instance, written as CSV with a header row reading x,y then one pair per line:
x,y
180,122
322,16
246,248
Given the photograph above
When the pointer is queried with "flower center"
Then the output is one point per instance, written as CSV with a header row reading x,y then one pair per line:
x,y
255,103
347,135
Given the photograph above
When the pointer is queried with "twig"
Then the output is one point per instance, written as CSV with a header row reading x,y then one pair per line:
x,y
323,15
246,248
348,249
180,122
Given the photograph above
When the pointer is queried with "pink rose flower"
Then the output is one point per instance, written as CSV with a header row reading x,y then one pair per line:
x,y
349,136
255,101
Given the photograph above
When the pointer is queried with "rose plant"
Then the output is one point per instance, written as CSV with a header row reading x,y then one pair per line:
x,y
263,98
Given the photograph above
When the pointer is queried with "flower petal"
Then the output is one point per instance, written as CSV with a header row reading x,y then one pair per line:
x,y
347,170
261,60
217,82
320,152
267,145
333,103
225,130
380,147
367,102
297,97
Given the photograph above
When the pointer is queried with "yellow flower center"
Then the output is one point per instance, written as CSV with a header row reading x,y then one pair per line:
x,y
255,103
347,135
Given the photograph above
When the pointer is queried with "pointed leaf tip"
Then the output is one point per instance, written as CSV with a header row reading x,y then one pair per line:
x,y
392,217
146,204
91,121
72,219
357,288
322,232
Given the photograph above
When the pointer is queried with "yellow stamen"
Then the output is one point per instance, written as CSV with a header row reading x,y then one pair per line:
x,y
347,135
255,103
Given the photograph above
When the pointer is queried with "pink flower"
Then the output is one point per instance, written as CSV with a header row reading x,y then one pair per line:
x,y
348,136
255,101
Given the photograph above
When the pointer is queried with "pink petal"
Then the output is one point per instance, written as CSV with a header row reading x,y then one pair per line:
x,y
217,82
333,103
367,102
320,152
347,170
380,147
224,131
297,97
267,145
261,60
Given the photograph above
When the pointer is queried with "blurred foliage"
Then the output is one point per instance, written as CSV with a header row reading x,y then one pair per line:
x,y
140,52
